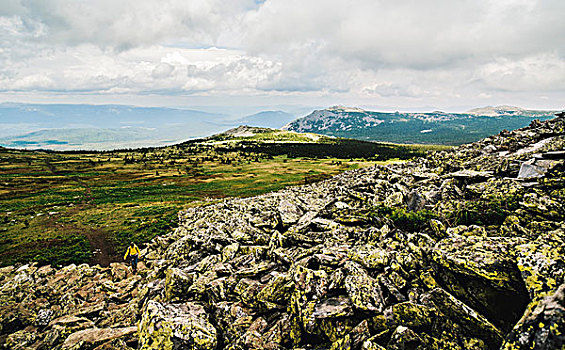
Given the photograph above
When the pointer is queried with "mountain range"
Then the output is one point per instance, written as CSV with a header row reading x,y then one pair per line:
x,y
432,127
102,127
82,126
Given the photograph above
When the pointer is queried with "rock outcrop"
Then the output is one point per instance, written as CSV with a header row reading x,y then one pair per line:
x,y
458,250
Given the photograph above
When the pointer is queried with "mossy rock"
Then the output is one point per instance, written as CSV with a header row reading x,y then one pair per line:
x,y
176,326
177,284
482,272
542,326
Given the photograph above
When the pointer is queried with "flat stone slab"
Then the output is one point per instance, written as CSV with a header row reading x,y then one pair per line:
x,y
95,336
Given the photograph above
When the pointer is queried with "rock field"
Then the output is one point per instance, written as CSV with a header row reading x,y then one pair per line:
x,y
463,249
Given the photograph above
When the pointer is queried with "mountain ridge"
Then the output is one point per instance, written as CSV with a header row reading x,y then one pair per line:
x,y
429,127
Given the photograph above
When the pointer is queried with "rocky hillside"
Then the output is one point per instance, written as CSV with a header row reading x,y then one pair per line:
x,y
463,249
432,127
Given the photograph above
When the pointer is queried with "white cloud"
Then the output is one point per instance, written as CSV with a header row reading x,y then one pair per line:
x,y
403,51
127,23
162,70
157,68
389,89
405,33
543,72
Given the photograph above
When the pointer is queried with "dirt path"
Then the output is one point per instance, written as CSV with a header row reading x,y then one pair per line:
x,y
102,249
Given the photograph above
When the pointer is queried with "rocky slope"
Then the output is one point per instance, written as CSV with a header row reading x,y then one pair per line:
x,y
463,249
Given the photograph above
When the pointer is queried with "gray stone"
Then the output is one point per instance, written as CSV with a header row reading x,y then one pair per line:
x,y
176,326
528,171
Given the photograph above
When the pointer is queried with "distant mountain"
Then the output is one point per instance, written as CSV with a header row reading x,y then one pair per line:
x,y
82,126
500,111
86,139
268,119
432,127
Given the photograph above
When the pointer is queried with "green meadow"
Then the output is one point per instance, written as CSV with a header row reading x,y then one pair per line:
x,y
73,207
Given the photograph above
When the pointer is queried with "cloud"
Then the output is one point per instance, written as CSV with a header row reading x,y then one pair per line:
x,y
421,35
389,89
366,49
126,24
543,72
88,68
162,70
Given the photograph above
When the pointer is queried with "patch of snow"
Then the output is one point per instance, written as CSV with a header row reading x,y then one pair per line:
x,y
373,120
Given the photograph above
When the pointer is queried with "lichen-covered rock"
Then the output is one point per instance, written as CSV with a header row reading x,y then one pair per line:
x,y
290,212
472,322
542,263
176,326
177,283
277,290
364,291
89,338
21,340
542,326
370,256
404,338
333,307
482,272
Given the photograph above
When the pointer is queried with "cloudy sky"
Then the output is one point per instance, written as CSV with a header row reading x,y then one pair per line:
x,y
402,54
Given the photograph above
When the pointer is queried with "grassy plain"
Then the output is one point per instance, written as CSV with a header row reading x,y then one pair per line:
x,y
72,207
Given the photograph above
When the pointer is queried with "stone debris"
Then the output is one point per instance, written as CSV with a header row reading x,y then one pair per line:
x,y
450,251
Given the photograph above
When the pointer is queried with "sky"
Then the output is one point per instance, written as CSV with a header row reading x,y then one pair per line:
x,y
403,55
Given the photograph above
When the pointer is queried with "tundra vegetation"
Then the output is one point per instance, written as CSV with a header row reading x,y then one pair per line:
x,y
73,207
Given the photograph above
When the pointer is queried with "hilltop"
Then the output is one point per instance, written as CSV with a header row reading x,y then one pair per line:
x,y
461,249
431,128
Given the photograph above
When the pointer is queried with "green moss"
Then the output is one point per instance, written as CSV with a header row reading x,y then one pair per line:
x,y
412,221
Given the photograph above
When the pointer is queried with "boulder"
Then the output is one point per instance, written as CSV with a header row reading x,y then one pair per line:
x,y
369,256
176,326
119,271
43,317
482,272
89,338
473,323
530,170
404,338
364,291
542,263
277,290
20,340
542,326
177,284
289,212
333,307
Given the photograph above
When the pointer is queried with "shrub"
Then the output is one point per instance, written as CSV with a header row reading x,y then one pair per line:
x,y
403,219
